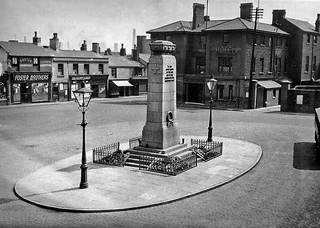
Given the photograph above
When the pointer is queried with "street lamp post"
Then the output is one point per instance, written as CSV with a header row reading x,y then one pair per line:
x,y
83,97
211,84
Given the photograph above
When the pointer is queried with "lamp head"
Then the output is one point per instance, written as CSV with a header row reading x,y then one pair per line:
x,y
211,84
83,96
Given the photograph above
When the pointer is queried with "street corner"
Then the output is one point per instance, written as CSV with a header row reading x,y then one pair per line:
x,y
125,188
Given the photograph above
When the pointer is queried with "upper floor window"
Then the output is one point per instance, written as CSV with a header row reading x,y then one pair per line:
x,y
262,64
168,38
86,68
307,64
308,38
226,38
315,39
263,40
114,72
200,64
278,64
139,71
285,65
314,64
60,69
279,41
202,41
75,69
100,69
225,64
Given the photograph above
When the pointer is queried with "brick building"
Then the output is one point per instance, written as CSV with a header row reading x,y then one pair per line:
x,y
304,47
222,49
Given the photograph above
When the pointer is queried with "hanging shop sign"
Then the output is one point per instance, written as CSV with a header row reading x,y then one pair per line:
x,y
227,50
31,77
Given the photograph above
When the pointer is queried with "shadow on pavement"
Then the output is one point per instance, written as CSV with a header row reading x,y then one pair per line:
x,y
91,165
305,156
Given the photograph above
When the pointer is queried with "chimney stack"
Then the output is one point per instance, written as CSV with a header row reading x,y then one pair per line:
x,y
198,15
54,42
95,47
36,40
277,16
122,51
246,11
83,46
317,28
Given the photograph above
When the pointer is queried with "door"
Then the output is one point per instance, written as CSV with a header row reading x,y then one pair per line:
x,y
26,95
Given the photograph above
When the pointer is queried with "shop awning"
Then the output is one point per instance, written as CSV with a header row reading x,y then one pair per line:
x,y
269,84
122,83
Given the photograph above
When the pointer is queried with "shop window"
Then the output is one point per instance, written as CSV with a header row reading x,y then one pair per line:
x,y
314,64
220,89
114,72
307,64
225,64
226,38
86,68
100,69
60,69
75,69
200,65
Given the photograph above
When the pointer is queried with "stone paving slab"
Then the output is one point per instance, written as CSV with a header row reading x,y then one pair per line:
x,y
123,188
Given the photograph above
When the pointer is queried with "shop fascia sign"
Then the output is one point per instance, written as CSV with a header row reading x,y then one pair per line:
x,y
31,77
80,78
227,50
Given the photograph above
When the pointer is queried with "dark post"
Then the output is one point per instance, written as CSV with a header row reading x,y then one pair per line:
x,y
210,120
84,166
257,15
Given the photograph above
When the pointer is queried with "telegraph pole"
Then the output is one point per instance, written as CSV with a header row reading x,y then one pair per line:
x,y
258,14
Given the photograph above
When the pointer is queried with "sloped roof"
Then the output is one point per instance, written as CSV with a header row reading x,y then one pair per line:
x,y
122,61
245,25
78,54
269,84
209,24
26,49
144,57
178,26
303,25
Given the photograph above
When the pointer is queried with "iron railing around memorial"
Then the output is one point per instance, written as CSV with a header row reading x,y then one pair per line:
x,y
206,150
109,155
168,164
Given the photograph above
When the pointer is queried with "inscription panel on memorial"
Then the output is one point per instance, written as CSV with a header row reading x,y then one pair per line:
x,y
169,76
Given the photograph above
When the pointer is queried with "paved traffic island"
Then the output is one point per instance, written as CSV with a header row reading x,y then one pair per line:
x,y
113,188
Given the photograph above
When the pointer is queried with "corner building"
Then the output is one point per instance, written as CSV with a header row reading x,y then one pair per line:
x,y
222,49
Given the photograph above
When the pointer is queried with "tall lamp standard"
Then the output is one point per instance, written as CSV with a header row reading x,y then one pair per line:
x,y
83,97
211,84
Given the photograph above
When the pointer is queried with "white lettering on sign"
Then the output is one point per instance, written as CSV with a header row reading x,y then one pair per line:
x,y
227,50
31,77
169,74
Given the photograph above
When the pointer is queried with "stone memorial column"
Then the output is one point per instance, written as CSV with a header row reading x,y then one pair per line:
x,y
160,130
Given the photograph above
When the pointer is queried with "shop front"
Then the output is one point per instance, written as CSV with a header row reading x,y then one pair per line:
x,y
30,87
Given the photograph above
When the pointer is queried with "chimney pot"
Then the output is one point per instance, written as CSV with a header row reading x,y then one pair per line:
x,y
317,27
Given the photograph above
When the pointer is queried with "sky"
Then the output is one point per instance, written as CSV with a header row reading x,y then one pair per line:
x,y
112,21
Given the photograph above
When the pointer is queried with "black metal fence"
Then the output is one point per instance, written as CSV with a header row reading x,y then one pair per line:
x,y
109,155
207,150
167,164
